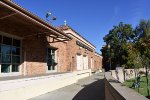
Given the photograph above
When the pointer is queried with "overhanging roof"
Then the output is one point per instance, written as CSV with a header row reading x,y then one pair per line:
x,y
12,15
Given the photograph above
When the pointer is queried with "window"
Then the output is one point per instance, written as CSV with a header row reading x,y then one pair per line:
x,y
9,54
51,63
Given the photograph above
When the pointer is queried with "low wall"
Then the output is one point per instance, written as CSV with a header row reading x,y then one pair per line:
x,y
120,75
111,93
22,89
82,74
114,90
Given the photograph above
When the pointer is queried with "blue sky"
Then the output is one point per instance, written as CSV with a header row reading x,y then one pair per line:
x,y
91,18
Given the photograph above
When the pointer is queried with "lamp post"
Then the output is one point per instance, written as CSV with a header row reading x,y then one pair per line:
x,y
50,17
109,56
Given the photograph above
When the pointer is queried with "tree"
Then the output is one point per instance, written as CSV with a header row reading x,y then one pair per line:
x,y
145,62
118,39
142,34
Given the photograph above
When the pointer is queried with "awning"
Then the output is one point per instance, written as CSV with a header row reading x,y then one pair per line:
x,y
19,20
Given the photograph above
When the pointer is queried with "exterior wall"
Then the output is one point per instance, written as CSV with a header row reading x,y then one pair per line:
x,y
33,51
61,56
34,55
97,62
72,50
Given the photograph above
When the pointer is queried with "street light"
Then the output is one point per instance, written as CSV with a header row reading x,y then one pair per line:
x,y
109,56
50,17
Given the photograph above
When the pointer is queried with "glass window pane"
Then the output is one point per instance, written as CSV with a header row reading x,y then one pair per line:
x,y
6,58
15,51
49,62
16,43
53,51
15,68
49,56
51,59
5,68
0,39
6,49
49,67
0,59
15,59
7,40
49,50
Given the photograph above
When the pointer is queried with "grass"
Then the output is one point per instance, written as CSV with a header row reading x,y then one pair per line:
x,y
143,85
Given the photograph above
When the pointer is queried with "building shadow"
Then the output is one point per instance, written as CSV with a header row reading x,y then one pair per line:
x,y
93,91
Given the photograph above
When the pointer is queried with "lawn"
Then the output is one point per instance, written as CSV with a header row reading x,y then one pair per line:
x,y
143,86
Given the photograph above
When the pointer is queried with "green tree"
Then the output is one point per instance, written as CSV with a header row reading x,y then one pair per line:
x,y
145,62
118,39
142,35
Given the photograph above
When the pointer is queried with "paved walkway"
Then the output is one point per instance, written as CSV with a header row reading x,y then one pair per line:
x,y
91,88
127,93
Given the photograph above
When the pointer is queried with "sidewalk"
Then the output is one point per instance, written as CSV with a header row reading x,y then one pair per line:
x,y
126,92
90,88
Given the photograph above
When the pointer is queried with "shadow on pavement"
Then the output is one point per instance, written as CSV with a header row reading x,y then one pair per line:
x,y
93,91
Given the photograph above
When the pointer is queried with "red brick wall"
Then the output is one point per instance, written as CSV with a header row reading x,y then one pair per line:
x,y
61,56
35,50
33,55
73,50
97,62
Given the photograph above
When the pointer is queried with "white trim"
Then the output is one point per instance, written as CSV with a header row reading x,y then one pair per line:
x,y
69,31
10,73
98,55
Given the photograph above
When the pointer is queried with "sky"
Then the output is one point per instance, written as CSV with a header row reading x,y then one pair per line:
x,y
91,18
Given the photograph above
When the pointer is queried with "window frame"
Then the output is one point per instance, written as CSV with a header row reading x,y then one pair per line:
x,y
55,60
11,73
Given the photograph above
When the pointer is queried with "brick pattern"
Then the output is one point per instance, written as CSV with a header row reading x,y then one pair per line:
x,y
34,52
97,62
73,50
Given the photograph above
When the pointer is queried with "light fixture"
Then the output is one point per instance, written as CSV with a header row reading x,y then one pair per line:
x,y
50,17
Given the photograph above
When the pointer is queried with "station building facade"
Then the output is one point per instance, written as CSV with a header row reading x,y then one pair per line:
x,y
31,46
81,53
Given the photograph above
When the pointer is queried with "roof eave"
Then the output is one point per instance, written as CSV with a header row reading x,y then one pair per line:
x,y
11,5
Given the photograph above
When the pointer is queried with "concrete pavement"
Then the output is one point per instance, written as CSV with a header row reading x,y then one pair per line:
x,y
90,88
127,93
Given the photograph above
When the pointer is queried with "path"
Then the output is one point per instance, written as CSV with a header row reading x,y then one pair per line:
x,y
90,88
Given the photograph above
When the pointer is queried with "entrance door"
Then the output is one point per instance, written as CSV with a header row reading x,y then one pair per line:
x,y
79,62
85,62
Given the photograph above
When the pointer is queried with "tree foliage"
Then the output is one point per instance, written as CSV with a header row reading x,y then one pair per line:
x,y
125,46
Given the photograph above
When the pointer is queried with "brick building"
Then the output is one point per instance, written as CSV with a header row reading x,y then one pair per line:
x,y
31,46
81,53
